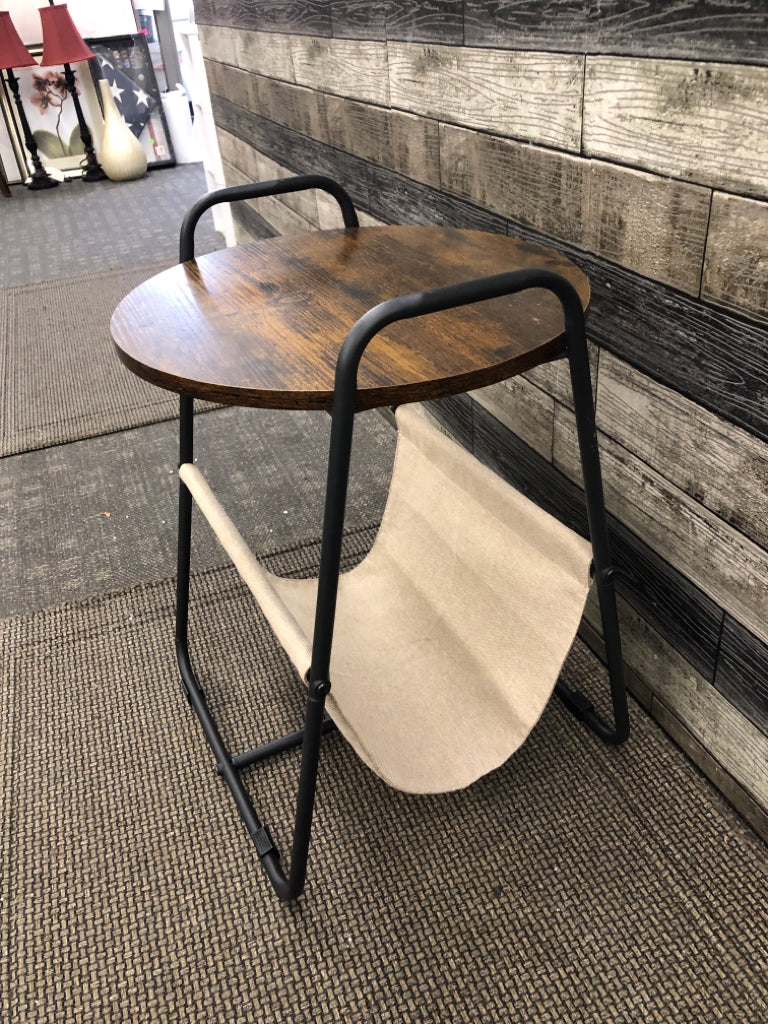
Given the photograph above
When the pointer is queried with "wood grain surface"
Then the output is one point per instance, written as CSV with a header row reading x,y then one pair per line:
x,y
742,672
716,463
653,225
723,563
262,324
525,95
737,744
704,123
736,265
710,355
732,30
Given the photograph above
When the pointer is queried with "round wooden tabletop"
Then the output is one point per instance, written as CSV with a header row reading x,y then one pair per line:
x,y
262,324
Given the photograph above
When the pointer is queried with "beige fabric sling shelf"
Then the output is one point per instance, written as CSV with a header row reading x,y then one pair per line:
x,y
436,655
451,633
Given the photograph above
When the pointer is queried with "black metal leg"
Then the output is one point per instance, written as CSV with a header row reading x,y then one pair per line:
x,y
315,727
581,384
186,448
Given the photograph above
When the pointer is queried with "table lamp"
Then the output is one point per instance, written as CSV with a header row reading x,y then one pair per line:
x,y
14,54
63,44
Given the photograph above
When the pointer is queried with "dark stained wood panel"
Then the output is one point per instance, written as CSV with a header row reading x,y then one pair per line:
x,y
302,17
720,30
742,673
262,325
431,21
359,19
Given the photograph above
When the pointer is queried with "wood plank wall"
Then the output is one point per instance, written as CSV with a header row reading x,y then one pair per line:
x,y
634,138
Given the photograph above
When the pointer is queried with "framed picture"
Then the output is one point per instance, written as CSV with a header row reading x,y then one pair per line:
x,y
50,111
125,62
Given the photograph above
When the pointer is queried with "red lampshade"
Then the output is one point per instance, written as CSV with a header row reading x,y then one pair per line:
x,y
13,53
62,43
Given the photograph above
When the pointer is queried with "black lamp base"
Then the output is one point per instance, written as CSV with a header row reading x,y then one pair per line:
x,y
93,173
36,182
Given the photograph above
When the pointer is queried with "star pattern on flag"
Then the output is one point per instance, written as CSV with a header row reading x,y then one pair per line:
x,y
133,102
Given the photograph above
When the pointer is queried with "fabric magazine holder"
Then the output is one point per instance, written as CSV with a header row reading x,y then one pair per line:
x,y
437,654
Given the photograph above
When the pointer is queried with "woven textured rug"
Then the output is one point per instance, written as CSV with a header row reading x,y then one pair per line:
x,y
61,378
575,883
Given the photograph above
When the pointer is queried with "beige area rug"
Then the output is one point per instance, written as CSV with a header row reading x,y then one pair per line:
x,y
575,883
61,378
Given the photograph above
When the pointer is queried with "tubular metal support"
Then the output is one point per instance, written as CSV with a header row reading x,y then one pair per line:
x,y
257,190
277,746
404,307
342,426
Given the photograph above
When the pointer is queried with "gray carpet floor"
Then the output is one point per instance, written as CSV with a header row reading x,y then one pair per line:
x,y
576,884
80,227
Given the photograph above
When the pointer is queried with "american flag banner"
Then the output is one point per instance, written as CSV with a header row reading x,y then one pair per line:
x,y
132,101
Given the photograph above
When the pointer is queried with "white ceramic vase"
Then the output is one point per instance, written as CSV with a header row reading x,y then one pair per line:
x,y
122,155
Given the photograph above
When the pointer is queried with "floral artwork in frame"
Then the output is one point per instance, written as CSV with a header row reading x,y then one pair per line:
x,y
51,113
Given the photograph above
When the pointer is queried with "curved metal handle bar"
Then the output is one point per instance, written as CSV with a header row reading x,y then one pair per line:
x,y
437,300
258,190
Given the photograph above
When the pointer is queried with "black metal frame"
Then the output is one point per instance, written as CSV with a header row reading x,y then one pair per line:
x,y
289,886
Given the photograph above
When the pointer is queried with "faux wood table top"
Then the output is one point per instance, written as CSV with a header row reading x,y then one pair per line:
x,y
261,324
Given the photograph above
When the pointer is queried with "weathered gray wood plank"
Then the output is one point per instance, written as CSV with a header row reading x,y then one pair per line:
x,y
404,142
534,96
254,166
653,225
280,218
522,408
716,463
705,123
736,264
540,187
736,743
249,225
555,378
218,44
263,53
734,792
237,85
293,106
712,357
742,673
347,67
722,562
396,199
724,30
